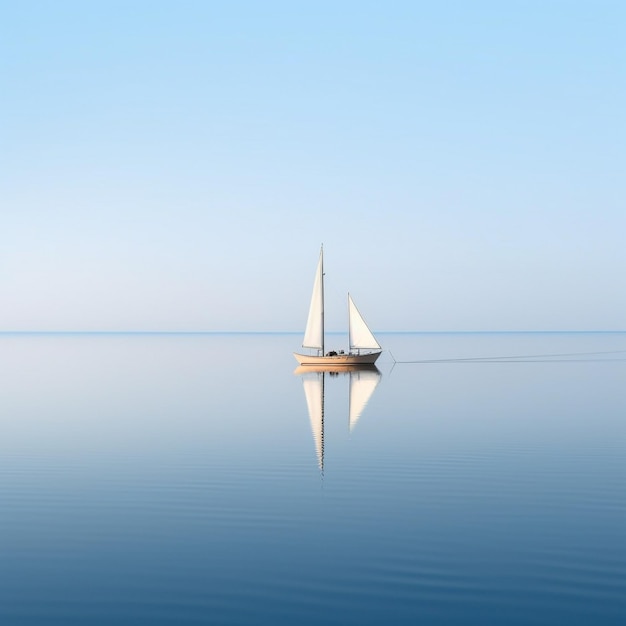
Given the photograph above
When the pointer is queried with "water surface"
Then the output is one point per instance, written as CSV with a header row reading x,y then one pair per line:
x,y
179,479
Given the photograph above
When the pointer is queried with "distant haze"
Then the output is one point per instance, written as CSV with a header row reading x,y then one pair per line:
x,y
176,166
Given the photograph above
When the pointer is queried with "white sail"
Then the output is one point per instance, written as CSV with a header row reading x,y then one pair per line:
x,y
314,393
360,335
362,386
314,332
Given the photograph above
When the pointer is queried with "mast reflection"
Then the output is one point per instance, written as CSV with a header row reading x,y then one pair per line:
x,y
363,380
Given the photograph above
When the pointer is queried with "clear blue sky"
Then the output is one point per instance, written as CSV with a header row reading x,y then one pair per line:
x,y
176,165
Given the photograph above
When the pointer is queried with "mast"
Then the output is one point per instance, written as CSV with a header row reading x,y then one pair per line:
x,y
350,325
322,292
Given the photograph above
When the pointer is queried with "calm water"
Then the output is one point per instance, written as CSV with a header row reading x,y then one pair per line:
x,y
186,479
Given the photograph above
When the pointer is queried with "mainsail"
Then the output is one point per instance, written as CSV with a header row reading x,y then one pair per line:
x,y
360,335
314,332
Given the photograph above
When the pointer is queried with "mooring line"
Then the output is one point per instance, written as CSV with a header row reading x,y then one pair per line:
x,y
520,357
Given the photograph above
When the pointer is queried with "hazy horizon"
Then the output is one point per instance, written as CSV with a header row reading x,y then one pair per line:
x,y
177,167
299,332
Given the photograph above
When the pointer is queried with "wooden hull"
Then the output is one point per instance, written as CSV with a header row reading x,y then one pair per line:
x,y
337,360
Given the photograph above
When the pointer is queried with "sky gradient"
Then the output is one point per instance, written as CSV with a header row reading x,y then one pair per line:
x,y
176,165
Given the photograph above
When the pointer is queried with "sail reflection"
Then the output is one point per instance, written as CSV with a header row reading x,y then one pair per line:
x,y
363,380
363,383
313,383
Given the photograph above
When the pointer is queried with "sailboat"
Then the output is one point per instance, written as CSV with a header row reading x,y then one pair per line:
x,y
360,336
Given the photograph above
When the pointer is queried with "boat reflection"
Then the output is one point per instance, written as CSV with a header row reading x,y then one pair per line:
x,y
363,380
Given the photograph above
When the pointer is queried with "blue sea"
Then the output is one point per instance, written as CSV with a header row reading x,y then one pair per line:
x,y
474,478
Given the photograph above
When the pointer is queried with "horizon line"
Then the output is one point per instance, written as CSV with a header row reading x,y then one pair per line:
x,y
295,332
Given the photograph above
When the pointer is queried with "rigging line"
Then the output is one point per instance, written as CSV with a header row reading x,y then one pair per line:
x,y
514,357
